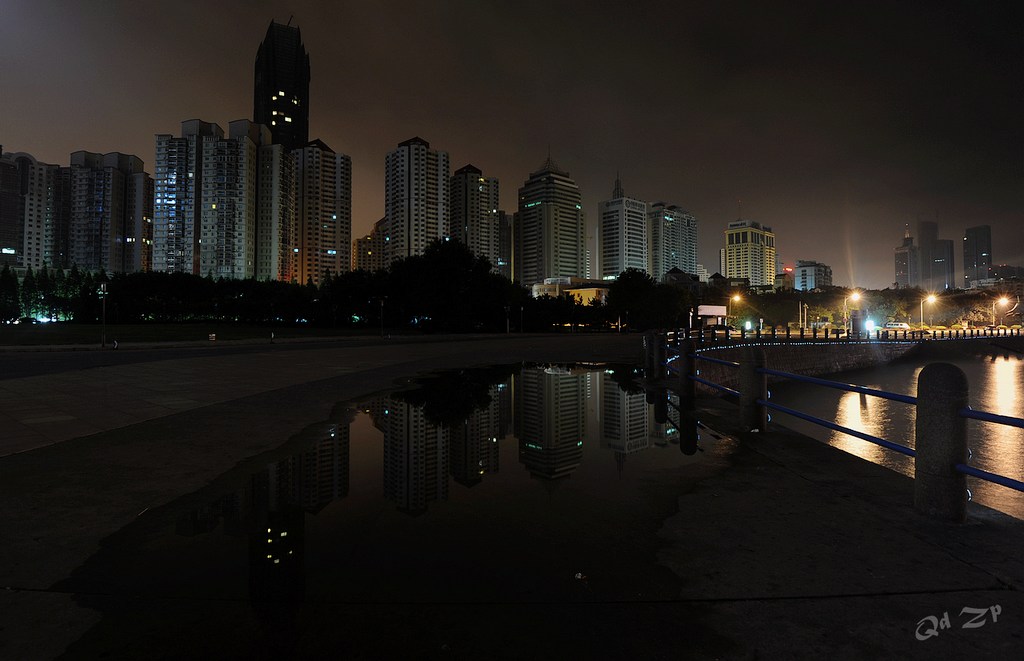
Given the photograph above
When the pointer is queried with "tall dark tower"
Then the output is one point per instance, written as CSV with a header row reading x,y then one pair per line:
x,y
281,98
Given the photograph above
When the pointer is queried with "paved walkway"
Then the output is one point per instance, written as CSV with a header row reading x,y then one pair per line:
x,y
784,547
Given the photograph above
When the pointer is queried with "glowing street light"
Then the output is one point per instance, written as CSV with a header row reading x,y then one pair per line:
x,y
728,313
930,299
855,296
1002,301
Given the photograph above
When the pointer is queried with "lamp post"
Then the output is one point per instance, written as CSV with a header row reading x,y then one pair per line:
x,y
855,296
1002,301
103,315
931,299
728,311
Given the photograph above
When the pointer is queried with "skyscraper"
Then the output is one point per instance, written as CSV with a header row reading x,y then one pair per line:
x,y
324,211
276,229
416,198
474,213
907,262
673,239
749,252
281,91
977,254
549,227
624,238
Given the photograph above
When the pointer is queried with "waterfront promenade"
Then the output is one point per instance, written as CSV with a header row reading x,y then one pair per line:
x,y
782,546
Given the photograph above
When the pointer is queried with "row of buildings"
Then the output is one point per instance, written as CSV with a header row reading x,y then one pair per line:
x,y
930,263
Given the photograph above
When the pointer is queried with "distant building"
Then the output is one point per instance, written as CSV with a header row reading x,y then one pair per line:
x,y
810,275
368,251
624,238
785,280
977,254
935,256
33,217
702,273
672,233
908,263
475,219
281,90
276,228
416,198
549,227
110,211
323,184
749,253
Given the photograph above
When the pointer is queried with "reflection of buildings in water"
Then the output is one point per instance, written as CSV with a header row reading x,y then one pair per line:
x,y
415,457
661,434
474,443
549,421
625,418
270,511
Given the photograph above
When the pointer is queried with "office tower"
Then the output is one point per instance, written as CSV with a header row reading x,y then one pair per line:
x,y
977,254
281,91
624,238
416,202
811,275
749,252
908,262
549,227
927,235
943,265
110,207
324,211
276,229
474,213
673,240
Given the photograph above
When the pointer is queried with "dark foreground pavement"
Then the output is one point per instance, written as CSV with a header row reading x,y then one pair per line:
x,y
780,547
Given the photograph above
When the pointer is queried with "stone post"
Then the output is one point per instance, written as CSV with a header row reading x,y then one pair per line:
x,y
753,386
687,369
940,491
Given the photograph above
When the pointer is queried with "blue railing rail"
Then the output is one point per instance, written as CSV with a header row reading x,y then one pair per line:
x,y
942,410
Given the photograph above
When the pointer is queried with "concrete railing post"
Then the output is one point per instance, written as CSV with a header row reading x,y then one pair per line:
x,y
940,491
753,386
687,368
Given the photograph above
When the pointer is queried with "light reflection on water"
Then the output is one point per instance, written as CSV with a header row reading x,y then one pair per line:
x,y
995,383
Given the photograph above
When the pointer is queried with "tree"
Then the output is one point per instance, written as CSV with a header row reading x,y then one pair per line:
x,y
29,293
10,304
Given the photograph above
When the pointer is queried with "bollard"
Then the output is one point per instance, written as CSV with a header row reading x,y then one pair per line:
x,y
687,369
940,491
753,386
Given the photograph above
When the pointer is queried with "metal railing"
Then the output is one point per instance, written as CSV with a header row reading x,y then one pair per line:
x,y
940,452
774,334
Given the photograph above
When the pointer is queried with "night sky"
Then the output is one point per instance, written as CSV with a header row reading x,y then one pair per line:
x,y
834,122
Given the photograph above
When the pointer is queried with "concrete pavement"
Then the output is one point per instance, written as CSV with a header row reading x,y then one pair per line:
x,y
783,547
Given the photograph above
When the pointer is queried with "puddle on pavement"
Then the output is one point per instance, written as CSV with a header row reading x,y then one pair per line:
x,y
516,484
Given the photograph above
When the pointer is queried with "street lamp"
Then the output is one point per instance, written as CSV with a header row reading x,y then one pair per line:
x,y
1002,301
930,299
855,296
103,298
728,310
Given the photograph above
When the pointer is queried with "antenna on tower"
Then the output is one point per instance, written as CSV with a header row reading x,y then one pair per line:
x,y
739,209
290,20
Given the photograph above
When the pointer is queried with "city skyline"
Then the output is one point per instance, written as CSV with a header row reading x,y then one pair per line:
x,y
834,125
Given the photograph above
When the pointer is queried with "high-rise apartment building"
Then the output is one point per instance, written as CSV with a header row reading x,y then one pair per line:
x,y
33,215
368,251
749,253
416,198
549,227
810,275
673,240
281,91
324,211
218,208
977,254
475,217
908,262
624,234
276,229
